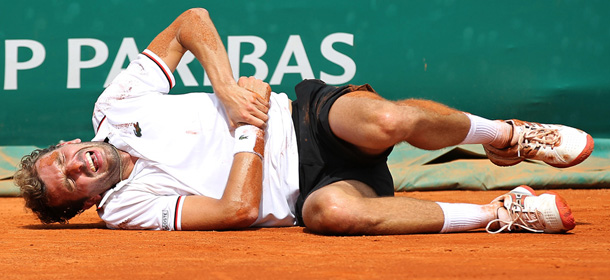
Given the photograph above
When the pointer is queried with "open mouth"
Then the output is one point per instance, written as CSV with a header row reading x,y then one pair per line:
x,y
92,161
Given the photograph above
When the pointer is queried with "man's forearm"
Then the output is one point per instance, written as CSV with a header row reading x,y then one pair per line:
x,y
194,31
245,182
244,188
199,35
239,205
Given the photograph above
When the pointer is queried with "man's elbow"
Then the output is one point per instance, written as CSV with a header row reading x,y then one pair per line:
x,y
245,216
249,218
200,13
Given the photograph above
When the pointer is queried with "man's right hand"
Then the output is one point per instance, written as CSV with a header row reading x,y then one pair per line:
x,y
248,103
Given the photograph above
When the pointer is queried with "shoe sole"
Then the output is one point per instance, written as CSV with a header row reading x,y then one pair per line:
x,y
499,160
502,162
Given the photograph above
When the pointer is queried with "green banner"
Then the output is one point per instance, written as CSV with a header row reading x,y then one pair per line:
x,y
544,61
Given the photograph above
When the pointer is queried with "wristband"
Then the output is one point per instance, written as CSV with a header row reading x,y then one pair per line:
x,y
247,138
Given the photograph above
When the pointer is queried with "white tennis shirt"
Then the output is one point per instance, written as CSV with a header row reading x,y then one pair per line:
x,y
185,147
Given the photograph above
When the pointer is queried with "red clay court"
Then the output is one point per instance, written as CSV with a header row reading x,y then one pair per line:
x,y
85,249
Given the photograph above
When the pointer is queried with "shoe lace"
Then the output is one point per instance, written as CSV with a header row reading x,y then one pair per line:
x,y
536,137
520,218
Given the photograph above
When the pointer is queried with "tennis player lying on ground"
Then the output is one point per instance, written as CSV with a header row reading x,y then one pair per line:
x,y
177,162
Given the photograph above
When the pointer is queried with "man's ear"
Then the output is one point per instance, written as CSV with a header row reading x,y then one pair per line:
x,y
92,201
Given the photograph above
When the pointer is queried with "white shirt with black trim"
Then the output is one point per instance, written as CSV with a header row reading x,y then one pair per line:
x,y
185,147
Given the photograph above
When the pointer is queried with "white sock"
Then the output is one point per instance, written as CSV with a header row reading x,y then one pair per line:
x,y
482,131
461,217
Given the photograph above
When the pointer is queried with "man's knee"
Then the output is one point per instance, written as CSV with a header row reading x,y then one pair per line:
x,y
330,211
390,123
394,123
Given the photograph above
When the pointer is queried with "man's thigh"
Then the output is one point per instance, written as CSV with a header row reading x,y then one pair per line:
x,y
368,121
323,157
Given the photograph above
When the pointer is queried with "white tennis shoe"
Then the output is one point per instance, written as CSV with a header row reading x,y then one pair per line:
x,y
547,213
557,145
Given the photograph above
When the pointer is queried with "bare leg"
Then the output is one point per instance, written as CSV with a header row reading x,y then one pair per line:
x,y
367,120
351,207
373,124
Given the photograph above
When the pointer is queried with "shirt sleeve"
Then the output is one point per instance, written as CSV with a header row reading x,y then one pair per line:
x,y
143,211
147,74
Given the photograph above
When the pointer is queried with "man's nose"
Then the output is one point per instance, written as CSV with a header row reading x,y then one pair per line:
x,y
74,167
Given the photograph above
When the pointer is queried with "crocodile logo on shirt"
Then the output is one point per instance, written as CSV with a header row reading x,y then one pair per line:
x,y
243,137
137,131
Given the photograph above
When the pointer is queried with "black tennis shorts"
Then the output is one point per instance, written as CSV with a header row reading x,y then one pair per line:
x,y
323,157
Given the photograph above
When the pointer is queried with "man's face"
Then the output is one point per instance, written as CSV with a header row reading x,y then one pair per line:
x,y
77,171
